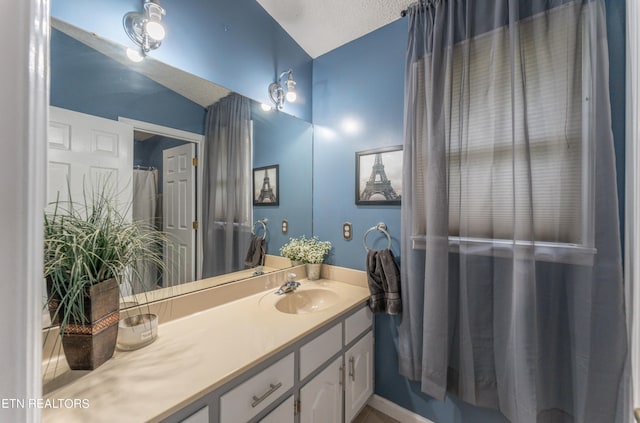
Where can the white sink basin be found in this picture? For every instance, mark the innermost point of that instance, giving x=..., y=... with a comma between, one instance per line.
x=306, y=301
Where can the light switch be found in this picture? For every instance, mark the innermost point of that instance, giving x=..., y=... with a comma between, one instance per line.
x=285, y=226
x=347, y=231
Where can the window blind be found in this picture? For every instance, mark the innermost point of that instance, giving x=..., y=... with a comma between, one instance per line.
x=517, y=165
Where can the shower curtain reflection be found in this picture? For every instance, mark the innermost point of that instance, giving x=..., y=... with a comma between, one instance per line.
x=227, y=212
x=145, y=209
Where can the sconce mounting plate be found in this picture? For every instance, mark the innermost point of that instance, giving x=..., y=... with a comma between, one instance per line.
x=133, y=23
x=276, y=93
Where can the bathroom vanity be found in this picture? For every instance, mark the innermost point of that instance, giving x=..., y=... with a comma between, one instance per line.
x=306, y=380
x=262, y=357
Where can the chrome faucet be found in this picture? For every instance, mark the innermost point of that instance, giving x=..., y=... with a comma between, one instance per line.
x=289, y=286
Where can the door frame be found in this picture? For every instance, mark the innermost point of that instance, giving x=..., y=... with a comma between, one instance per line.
x=192, y=137
x=632, y=199
x=24, y=117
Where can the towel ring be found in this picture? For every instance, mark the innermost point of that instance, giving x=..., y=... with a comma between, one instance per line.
x=380, y=227
x=263, y=222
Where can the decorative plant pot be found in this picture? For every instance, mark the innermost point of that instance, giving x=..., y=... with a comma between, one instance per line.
x=296, y=263
x=313, y=271
x=87, y=346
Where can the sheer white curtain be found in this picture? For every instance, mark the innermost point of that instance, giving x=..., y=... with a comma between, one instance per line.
x=513, y=295
x=226, y=212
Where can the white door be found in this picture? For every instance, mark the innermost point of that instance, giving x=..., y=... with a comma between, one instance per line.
x=84, y=151
x=321, y=397
x=359, y=377
x=179, y=212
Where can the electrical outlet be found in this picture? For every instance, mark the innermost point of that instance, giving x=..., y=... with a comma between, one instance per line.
x=347, y=231
x=285, y=226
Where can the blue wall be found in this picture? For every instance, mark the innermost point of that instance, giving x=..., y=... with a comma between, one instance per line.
x=286, y=141
x=87, y=81
x=363, y=81
x=357, y=105
x=235, y=44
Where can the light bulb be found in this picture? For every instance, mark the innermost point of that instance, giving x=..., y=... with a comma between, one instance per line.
x=134, y=55
x=266, y=107
x=291, y=88
x=155, y=30
x=291, y=96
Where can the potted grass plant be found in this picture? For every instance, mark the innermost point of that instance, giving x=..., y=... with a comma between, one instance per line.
x=310, y=251
x=89, y=249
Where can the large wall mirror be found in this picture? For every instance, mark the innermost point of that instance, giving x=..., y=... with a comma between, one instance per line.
x=161, y=113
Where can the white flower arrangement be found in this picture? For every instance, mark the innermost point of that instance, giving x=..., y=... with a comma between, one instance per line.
x=306, y=250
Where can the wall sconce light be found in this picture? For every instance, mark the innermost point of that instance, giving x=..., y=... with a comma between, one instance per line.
x=277, y=92
x=145, y=28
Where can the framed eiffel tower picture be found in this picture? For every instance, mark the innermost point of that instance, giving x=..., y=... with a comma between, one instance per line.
x=266, y=188
x=379, y=176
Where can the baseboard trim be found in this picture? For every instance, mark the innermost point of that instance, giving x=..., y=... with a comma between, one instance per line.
x=393, y=410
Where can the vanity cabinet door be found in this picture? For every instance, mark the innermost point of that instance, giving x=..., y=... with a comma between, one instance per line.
x=282, y=414
x=358, y=376
x=321, y=397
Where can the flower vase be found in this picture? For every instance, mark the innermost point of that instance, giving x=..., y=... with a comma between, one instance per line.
x=313, y=271
x=296, y=263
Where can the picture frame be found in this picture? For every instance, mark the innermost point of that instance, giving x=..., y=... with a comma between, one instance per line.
x=266, y=186
x=379, y=176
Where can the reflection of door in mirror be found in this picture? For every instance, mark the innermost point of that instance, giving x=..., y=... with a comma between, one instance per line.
x=172, y=161
x=88, y=156
x=152, y=178
x=178, y=206
x=85, y=151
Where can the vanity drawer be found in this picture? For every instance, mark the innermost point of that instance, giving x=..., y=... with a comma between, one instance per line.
x=357, y=323
x=200, y=416
x=319, y=350
x=251, y=397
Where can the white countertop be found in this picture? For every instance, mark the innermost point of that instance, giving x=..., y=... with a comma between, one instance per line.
x=193, y=356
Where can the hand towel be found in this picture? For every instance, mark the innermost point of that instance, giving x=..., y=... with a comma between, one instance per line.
x=255, y=252
x=383, y=276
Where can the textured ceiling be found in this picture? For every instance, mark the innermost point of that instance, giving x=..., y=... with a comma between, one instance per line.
x=320, y=26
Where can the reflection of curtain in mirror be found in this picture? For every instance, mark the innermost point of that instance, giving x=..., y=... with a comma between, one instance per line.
x=144, y=209
x=226, y=209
